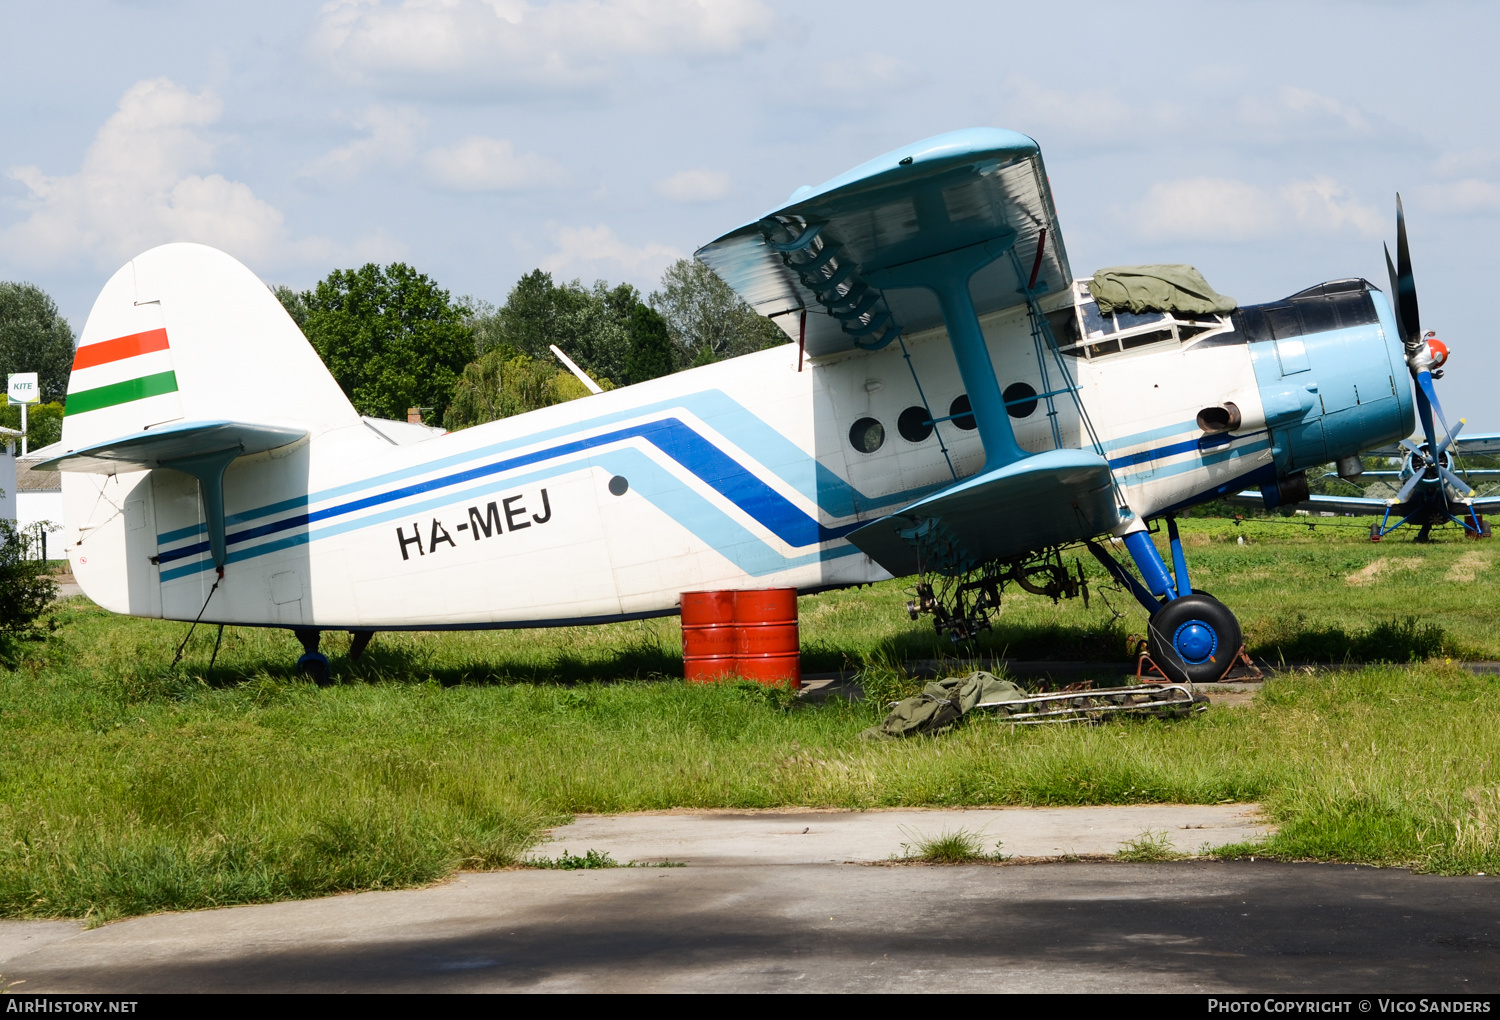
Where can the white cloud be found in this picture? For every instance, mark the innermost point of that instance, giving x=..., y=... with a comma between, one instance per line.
x=490, y=164
x=1037, y=110
x=1220, y=209
x=141, y=185
x=1295, y=111
x=390, y=140
x=1322, y=205
x=584, y=250
x=699, y=185
x=1469, y=195
x=1110, y=116
x=504, y=46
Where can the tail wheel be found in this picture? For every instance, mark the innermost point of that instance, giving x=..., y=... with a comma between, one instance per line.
x=1194, y=639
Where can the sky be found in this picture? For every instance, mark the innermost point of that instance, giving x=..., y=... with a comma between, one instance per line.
x=1262, y=142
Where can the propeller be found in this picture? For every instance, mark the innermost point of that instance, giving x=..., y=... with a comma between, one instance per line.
x=1409, y=326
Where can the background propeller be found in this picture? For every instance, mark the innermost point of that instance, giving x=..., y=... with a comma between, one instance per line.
x=1409, y=326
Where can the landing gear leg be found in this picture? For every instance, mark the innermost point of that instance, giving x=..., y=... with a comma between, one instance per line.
x=1192, y=636
x=359, y=640
x=313, y=662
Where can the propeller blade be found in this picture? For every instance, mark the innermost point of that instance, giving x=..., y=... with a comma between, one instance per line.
x=1424, y=413
x=1396, y=299
x=1407, y=292
x=1409, y=487
x=1448, y=440
x=1463, y=488
x=1411, y=447
x=1424, y=382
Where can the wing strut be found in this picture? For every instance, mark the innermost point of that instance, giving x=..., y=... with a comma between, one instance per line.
x=947, y=276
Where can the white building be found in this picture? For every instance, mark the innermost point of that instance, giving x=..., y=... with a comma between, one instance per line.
x=38, y=497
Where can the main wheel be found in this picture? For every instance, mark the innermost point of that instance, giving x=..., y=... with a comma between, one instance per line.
x=315, y=665
x=1194, y=639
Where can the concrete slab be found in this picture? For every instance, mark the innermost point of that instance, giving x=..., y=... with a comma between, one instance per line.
x=1191, y=926
x=19, y=938
x=823, y=836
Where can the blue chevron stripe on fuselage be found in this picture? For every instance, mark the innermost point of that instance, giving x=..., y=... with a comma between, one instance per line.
x=670, y=435
x=663, y=489
x=783, y=458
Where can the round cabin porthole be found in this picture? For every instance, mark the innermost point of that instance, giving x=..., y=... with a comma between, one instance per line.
x=962, y=413
x=914, y=425
x=1020, y=400
x=867, y=435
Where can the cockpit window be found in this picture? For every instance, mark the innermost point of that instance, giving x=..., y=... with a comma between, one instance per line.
x=1130, y=320
x=1103, y=335
x=1094, y=324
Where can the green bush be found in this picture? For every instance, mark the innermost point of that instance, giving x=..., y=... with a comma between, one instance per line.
x=25, y=589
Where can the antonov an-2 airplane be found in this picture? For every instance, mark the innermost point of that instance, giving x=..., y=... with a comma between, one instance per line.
x=956, y=406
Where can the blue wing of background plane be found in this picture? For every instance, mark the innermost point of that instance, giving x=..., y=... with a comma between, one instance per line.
x=1480, y=444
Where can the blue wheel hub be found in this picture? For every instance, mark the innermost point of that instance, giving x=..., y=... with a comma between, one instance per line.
x=1196, y=642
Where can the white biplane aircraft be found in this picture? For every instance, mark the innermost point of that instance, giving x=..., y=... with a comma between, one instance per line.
x=956, y=406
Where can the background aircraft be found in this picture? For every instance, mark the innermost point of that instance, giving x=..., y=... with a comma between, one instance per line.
x=956, y=406
x=1433, y=486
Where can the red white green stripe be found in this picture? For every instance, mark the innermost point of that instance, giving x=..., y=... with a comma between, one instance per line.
x=123, y=392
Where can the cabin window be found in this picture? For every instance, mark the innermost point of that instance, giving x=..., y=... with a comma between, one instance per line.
x=867, y=435
x=962, y=413
x=914, y=424
x=1020, y=400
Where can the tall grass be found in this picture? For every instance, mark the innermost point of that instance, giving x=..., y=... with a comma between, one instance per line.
x=127, y=786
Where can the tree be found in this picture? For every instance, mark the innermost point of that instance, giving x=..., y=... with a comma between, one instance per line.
x=43, y=423
x=703, y=314
x=504, y=382
x=391, y=337
x=650, y=354
x=34, y=337
x=590, y=325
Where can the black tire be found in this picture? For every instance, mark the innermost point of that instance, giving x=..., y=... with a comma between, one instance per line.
x=1194, y=639
x=315, y=666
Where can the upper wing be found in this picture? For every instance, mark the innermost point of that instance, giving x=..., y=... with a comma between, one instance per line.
x=939, y=195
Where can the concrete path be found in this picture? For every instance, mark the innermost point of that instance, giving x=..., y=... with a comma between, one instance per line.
x=836, y=837
x=1192, y=926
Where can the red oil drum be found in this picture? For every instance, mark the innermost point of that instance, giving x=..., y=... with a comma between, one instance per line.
x=708, y=635
x=767, y=648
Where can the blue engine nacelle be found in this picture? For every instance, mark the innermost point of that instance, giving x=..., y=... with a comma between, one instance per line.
x=1331, y=371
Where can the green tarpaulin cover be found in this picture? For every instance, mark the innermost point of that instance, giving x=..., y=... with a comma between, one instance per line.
x=1170, y=288
x=942, y=703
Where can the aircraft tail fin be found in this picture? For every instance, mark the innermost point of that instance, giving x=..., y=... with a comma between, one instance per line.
x=186, y=333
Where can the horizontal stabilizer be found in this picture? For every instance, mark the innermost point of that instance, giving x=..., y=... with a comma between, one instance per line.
x=160, y=446
x=1047, y=499
x=202, y=449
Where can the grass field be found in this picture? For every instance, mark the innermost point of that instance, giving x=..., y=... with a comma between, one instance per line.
x=127, y=786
